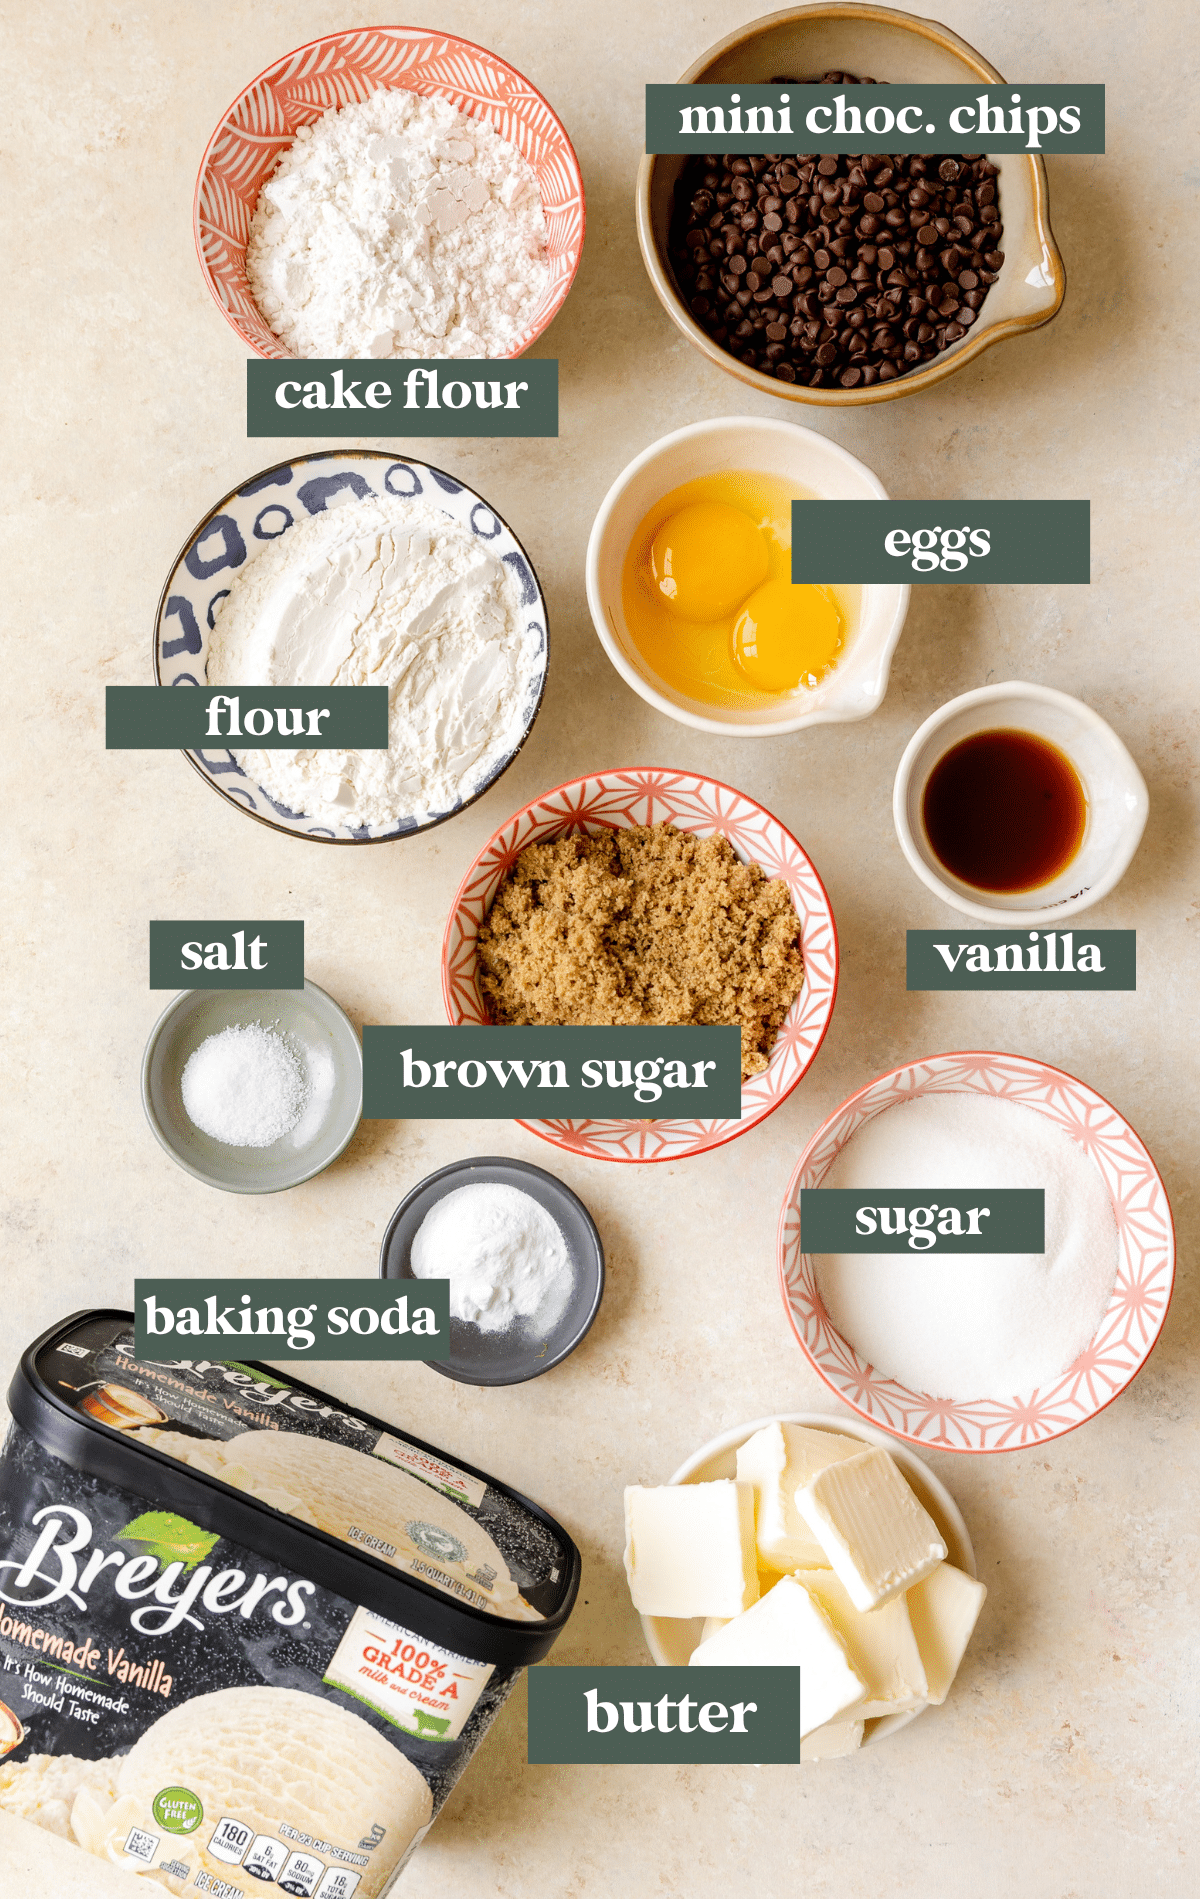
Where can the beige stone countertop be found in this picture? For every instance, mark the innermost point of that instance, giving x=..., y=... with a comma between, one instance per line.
x=1063, y=1765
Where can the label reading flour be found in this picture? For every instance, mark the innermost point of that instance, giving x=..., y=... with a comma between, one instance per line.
x=432, y=1470
x=424, y=1690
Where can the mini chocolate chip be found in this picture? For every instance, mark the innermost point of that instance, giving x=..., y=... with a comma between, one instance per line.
x=827, y=166
x=850, y=377
x=949, y=169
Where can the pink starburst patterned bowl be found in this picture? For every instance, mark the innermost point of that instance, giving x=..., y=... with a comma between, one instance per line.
x=337, y=70
x=1137, y=1309
x=618, y=800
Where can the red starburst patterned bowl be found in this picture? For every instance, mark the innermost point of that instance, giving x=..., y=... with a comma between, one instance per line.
x=618, y=800
x=337, y=70
x=1136, y=1311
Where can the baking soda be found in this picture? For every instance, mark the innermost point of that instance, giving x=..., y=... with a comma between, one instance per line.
x=504, y=1255
x=977, y=1325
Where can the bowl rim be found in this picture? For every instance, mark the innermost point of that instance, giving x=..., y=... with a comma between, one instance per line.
x=322, y=39
x=968, y=348
x=944, y=1443
x=872, y=1436
x=355, y=454
x=596, y=1255
x=543, y=1129
x=176, y=1007
x=994, y=916
x=694, y=431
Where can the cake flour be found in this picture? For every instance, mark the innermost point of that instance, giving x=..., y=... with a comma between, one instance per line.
x=383, y=593
x=395, y=228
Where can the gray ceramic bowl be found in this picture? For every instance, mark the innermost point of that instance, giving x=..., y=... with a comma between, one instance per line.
x=516, y=1354
x=321, y=1032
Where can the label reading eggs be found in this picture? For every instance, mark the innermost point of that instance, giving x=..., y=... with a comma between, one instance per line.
x=942, y=543
x=422, y=1689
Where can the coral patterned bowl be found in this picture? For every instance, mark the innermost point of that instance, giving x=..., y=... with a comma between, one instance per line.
x=340, y=69
x=1136, y=1311
x=618, y=800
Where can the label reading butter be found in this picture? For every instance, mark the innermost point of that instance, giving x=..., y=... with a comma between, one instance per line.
x=422, y=1689
x=431, y=1470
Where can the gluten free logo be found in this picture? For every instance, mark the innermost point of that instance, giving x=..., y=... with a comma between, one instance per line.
x=177, y=1810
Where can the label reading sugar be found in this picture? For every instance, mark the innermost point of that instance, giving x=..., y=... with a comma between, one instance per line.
x=422, y=1689
x=432, y=1470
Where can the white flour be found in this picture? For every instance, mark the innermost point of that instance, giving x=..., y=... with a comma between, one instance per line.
x=382, y=593
x=504, y=1255
x=399, y=228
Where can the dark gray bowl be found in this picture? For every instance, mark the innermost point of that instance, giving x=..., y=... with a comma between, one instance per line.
x=511, y=1356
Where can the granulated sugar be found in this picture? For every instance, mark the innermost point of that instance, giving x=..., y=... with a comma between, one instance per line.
x=974, y=1325
x=383, y=593
x=244, y=1086
x=395, y=228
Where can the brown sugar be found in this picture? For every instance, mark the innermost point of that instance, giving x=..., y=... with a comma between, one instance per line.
x=646, y=926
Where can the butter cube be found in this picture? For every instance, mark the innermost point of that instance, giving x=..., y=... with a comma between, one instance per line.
x=944, y=1609
x=832, y=1741
x=689, y=1549
x=881, y=1646
x=778, y=1460
x=878, y=1538
x=714, y=1622
x=787, y=1628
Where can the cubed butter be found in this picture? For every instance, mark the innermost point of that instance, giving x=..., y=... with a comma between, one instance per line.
x=877, y=1537
x=778, y=1461
x=689, y=1549
x=944, y=1609
x=787, y=1628
x=881, y=1646
x=832, y=1741
x=714, y=1622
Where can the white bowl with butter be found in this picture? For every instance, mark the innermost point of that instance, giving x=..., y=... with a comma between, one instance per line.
x=672, y=1640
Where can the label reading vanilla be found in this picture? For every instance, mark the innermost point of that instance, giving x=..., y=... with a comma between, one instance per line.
x=422, y=1689
x=432, y=1470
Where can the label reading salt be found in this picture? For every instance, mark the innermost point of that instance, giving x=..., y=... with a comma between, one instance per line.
x=431, y=1470
x=422, y=1689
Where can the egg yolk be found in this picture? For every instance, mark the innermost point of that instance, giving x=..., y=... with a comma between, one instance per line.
x=706, y=559
x=786, y=636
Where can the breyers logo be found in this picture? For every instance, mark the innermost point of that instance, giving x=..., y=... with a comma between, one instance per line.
x=63, y=1566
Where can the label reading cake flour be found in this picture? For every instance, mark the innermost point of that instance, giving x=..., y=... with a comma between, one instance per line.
x=422, y=1689
x=432, y=1470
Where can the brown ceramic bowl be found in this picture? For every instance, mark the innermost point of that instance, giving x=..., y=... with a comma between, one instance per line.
x=879, y=42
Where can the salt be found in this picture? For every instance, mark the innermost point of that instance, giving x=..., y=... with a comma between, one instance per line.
x=504, y=1255
x=245, y=1087
x=974, y=1325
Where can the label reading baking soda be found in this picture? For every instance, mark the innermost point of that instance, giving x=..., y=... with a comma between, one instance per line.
x=941, y=543
x=425, y=1690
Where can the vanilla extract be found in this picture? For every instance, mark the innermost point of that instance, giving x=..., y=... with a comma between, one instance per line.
x=1004, y=810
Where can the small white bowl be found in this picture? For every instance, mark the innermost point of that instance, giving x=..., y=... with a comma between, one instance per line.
x=671, y=1640
x=1117, y=800
x=756, y=445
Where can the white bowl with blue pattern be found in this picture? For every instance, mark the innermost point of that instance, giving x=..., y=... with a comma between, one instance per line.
x=246, y=521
